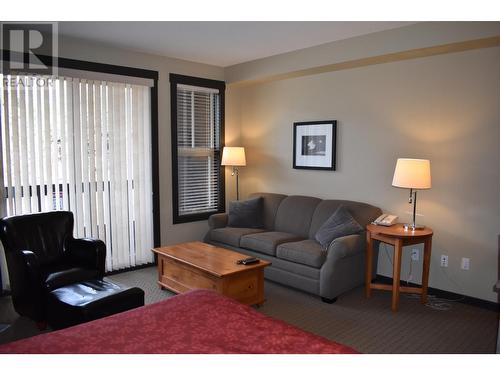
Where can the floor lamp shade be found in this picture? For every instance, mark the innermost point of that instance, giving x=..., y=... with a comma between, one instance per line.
x=234, y=157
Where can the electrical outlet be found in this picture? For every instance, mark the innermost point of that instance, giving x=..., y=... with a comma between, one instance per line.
x=444, y=260
x=465, y=264
x=415, y=254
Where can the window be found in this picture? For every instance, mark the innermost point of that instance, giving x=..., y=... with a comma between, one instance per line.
x=197, y=109
x=85, y=146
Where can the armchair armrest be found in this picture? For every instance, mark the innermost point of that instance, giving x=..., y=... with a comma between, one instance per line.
x=32, y=267
x=87, y=252
x=28, y=292
x=217, y=221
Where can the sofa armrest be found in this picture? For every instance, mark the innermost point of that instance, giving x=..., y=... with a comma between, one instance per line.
x=344, y=266
x=347, y=246
x=217, y=221
x=87, y=252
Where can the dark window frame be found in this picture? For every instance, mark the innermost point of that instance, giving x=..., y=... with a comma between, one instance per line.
x=124, y=71
x=176, y=79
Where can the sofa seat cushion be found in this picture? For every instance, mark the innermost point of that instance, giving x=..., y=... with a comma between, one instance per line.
x=308, y=252
x=56, y=277
x=266, y=242
x=231, y=236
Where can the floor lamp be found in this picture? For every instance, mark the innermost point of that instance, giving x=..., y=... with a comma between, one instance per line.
x=234, y=157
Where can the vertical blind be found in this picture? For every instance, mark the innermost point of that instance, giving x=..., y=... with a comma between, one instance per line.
x=198, y=149
x=83, y=146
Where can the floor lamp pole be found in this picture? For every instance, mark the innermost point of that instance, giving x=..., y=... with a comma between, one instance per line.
x=237, y=174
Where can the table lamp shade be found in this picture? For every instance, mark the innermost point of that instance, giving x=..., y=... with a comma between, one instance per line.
x=412, y=174
x=234, y=156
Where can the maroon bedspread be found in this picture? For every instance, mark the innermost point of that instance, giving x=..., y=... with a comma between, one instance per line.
x=200, y=321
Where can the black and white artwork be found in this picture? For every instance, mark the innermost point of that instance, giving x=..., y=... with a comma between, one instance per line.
x=314, y=145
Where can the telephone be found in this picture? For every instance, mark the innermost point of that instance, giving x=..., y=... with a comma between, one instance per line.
x=386, y=220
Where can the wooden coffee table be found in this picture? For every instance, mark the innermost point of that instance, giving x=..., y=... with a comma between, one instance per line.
x=195, y=265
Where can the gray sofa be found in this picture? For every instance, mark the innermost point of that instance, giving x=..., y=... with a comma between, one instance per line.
x=287, y=240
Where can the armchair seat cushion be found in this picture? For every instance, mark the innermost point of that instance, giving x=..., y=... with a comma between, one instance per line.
x=308, y=252
x=62, y=275
x=266, y=242
x=231, y=236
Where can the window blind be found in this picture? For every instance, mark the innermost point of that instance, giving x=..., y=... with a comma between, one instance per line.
x=198, y=149
x=84, y=146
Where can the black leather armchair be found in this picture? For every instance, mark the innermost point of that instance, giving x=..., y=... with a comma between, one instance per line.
x=42, y=255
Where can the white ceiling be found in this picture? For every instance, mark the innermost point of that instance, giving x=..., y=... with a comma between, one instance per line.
x=219, y=43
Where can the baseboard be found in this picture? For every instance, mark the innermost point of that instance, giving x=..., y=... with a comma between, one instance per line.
x=473, y=301
x=128, y=269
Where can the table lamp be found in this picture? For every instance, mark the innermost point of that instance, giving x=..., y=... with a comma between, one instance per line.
x=413, y=174
x=234, y=157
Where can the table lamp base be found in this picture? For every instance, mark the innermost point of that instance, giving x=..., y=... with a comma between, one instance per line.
x=412, y=227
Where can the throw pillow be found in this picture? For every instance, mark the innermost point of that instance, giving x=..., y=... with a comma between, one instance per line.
x=340, y=224
x=246, y=214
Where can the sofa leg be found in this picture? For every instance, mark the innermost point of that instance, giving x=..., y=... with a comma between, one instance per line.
x=329, y=300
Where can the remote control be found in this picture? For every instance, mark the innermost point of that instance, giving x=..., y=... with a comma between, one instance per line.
x=247, y=261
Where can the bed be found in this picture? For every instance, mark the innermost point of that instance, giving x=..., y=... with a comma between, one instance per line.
x=200, y=321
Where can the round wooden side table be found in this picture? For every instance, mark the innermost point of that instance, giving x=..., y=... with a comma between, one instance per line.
x=398, y=237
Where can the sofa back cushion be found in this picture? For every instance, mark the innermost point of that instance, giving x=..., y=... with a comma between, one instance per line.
x=363, y=213
x=295, y=213
x=270, y=204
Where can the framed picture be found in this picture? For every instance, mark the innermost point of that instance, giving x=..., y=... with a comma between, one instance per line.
x=314, y=145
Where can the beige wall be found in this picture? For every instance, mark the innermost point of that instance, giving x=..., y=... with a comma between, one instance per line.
x=77, y=49
x=445, y=108
x=413, y=37
x=232, y=135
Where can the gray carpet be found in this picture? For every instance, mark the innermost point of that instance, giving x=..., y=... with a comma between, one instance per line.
x=367, y=325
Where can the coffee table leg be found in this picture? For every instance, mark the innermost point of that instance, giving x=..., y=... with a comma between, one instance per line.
x=396, y=275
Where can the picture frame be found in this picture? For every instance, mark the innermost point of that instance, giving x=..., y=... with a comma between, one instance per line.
x=314, y=145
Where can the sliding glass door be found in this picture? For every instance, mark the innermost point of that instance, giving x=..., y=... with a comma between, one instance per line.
x=85, y=146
